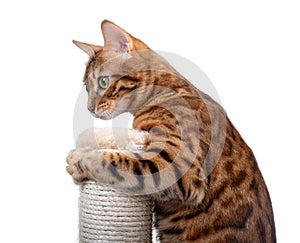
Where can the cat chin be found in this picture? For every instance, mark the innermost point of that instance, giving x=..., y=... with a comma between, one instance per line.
x=106, y=115
x=103, y=116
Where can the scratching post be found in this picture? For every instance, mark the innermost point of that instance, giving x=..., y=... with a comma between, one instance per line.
x=108, y=215
x=105, y=213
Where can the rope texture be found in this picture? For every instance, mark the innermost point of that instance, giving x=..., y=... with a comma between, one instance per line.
x=108, y=215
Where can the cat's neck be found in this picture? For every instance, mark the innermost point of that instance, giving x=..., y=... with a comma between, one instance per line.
x=158, y=88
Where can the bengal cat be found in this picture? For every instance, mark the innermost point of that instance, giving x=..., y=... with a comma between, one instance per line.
x=203, y=177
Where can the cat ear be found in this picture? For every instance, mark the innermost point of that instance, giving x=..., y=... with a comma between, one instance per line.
x=89, y=49
x=115, y=38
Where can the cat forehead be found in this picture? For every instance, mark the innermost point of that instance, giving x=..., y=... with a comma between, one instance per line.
x=110, y=61
x=106, y=63
x=105, y=55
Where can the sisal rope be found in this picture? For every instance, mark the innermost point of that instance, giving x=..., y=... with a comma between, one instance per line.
x=108, y=215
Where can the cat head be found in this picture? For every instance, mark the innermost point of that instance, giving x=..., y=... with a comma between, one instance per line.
x=114, y=71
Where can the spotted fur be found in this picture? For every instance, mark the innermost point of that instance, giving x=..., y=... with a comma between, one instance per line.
x=203, y=177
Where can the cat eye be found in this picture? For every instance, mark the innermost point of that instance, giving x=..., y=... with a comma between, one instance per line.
x=103, y=82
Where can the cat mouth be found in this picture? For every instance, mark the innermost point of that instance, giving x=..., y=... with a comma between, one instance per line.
x=104, y=114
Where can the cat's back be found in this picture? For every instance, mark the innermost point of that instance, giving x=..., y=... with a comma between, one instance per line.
x=236, y=206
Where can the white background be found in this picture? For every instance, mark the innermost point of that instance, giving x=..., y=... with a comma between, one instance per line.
x=250, y=50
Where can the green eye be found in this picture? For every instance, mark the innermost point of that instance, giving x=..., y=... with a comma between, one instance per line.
x=103, y=82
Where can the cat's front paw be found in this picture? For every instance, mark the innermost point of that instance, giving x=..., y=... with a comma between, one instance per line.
x=76, y=167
